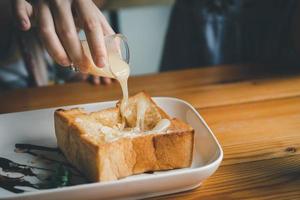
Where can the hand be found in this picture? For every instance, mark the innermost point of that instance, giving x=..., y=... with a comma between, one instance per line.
x=58, y=21
x=94, y=79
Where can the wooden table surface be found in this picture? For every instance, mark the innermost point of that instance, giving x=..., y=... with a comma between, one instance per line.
x=255, y=114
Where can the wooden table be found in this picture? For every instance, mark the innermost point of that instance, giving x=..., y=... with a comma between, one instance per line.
x=255, y=114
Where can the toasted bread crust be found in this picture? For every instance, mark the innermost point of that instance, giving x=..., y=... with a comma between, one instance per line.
x=106, y=161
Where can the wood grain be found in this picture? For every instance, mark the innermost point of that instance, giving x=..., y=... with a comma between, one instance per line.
x=277, y=178
x=254, y=114
x=211, y=86
x=238, y=92
x=256, y=131
x=261, y=144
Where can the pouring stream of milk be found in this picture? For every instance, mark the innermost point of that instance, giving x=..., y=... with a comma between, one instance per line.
x=117, y=69
x=120, y=70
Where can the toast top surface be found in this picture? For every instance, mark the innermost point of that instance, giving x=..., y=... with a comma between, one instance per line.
x=107, y=125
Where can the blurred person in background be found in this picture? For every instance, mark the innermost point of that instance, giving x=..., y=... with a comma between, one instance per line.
x=201, y=33
x=212, y=32
x=29, y=27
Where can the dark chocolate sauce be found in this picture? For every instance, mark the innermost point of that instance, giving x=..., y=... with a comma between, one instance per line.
x=10, y=166
x=29, y=147
x=57, y=178
x=9, y=184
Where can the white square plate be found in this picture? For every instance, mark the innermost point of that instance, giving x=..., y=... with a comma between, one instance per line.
x=37, y=127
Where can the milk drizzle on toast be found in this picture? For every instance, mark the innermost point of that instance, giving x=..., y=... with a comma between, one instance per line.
x=120, y=70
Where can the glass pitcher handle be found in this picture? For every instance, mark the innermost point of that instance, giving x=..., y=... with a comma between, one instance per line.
x=112, y=43
x=124, y=40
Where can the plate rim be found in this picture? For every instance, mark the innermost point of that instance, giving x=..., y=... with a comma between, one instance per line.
x=213, y=164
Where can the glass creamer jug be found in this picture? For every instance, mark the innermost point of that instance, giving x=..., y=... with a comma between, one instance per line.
x=117, y=58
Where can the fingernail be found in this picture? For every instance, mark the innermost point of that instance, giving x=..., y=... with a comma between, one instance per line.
x=100, y=62
x=23, y=24
x=96, y=81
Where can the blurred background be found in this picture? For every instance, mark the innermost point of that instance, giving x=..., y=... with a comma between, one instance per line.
x=168, y=35
x=145, y=25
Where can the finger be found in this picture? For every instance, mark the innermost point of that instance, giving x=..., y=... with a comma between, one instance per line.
x=23, y=10
x=66, y=30
x=96, y=80
x=78, y=77
x=29, y=9
x=107, y=29
x=49, y=36
x=84, y=76
x=89, y=14
x=105, y=80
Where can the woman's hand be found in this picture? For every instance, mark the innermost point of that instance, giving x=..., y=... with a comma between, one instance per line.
x=58, y=22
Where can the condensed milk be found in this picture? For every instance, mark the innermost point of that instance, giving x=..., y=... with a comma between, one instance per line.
x=118, y=69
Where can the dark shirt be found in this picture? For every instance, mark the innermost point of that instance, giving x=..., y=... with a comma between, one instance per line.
x=210, y=32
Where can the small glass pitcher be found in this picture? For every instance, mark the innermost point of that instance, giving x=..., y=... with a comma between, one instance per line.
x=115, y=44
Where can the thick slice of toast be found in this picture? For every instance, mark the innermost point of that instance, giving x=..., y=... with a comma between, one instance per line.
x=93, y=144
